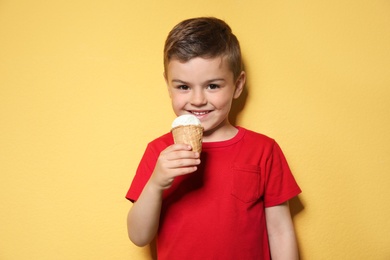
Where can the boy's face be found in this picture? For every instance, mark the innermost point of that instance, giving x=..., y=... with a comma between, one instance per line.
x=206, y=89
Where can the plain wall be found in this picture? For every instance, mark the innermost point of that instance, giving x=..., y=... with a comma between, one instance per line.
x=82, y=92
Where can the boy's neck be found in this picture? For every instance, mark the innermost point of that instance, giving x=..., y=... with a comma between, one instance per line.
x=227, y=132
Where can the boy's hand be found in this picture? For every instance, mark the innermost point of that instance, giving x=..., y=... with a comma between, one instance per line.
x=144, y=215
x=175, y=160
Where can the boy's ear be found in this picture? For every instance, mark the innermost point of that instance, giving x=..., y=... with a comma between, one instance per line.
x=240, y=83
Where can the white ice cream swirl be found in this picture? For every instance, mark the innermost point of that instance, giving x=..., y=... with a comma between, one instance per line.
x=185, y=120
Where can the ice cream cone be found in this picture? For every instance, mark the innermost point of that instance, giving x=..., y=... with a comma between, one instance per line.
x=189, y=134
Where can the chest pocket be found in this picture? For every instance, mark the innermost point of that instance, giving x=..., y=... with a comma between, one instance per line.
x=245, y=182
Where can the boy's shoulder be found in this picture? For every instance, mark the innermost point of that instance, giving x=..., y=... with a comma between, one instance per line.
x=162, y=141
x=253, y=136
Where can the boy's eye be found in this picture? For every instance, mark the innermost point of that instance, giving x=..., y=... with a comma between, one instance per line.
x=183, y=87
x=213, y=86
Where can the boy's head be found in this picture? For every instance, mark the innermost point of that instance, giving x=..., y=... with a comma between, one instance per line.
x=205, y=37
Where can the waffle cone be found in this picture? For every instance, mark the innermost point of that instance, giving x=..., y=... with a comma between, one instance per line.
x=189, y=134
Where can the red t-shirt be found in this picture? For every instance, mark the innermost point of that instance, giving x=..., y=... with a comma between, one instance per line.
x=217, y=212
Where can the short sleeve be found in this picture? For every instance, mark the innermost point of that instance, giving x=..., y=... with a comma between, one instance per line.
x=143, y=173
x=147, y=164
x=280, y=184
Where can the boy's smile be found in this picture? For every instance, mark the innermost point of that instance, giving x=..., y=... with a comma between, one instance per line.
x=206, y=89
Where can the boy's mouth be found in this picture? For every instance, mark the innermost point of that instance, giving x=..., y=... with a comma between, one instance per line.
x=199, y=114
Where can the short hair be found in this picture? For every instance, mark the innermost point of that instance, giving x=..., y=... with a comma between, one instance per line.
x=206, y=37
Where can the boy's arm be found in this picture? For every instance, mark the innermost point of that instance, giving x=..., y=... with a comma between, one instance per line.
x=143, y=217
x=281, y=232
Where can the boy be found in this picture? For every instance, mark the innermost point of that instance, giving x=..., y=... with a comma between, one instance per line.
x=230, y=201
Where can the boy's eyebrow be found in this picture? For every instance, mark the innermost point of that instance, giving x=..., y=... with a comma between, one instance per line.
x=217, y=79
x=208, y=81
x=179, y=81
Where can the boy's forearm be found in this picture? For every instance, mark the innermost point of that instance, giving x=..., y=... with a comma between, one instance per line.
x=281, y=233
x=143, y=217
x=284, y=246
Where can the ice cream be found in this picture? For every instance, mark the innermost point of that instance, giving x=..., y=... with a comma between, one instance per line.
x=186, y=129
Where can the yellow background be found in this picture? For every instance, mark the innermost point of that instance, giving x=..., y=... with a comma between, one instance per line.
x=82, y=92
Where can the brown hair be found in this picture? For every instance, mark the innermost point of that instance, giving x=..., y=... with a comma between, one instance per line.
x=205, y=37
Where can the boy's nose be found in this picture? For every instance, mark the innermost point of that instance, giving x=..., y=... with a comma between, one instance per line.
x=198, y=98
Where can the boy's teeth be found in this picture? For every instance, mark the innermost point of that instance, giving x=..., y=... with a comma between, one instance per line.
x=199, y=113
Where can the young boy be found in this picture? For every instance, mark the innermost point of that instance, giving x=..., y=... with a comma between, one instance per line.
x=230, y=201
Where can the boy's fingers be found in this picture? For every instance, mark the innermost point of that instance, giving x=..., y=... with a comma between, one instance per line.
x=183, y=171
x=185, y=163
x=179, y=151
x=178, y=147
